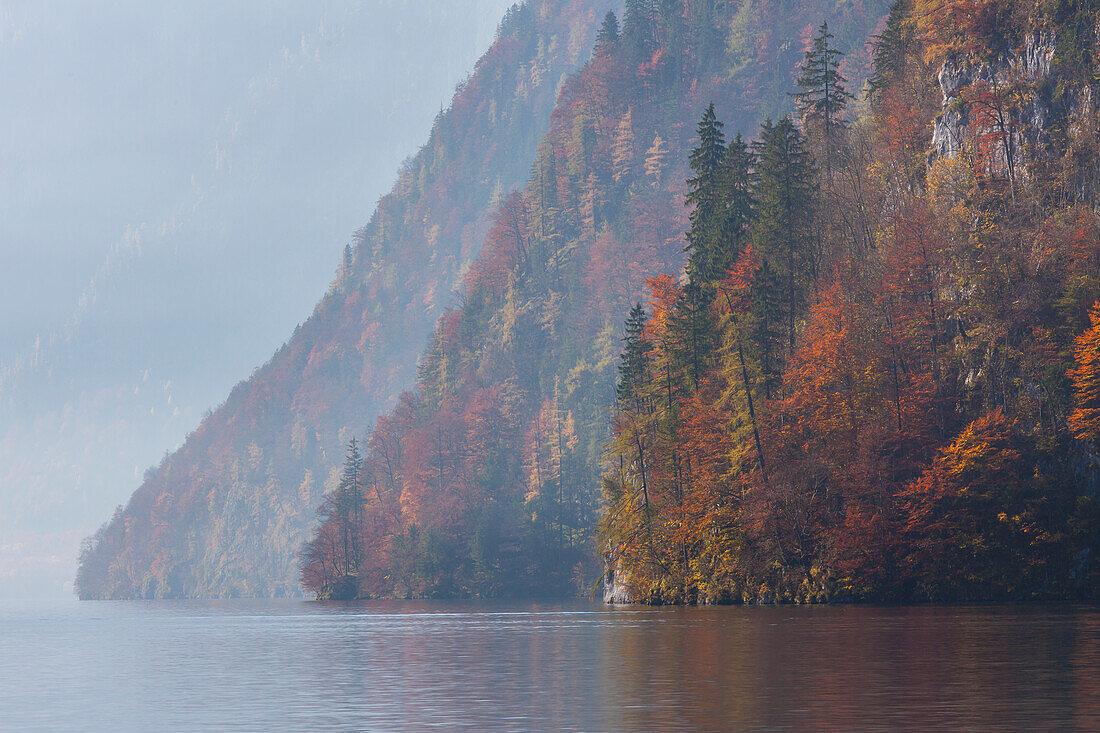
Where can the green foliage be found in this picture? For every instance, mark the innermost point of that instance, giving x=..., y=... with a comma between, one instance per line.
x=892, y=46
x=635, y=358
x=608, y=35
x=599, y=214
x=707, y=195
x=822, y=96
x=1075, y=39
x=640, y=29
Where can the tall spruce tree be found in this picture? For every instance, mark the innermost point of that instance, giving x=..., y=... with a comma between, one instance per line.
x=639, y=32
x=704, y=31
x=823, y=97
x=738, y=181
x=782, y=234
x=330, y=562
x=891, y=46
x=708, y=195
x=349, y=505
x=695, y=330
x=608, y=35
x=634, y=365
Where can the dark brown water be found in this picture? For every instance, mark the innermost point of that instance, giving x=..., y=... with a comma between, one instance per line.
x=464, y=666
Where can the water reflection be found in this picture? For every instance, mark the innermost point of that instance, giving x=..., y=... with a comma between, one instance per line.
x=419, y=666
x=860, y=668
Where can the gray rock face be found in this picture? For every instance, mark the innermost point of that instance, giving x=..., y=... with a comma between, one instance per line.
x=614, y=589
x=1022, y=117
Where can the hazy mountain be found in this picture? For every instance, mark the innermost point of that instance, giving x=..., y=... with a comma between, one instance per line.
x=229, y=510
x=177, y=183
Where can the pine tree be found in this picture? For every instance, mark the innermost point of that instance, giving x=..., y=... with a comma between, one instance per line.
x=635, y=357
x=707, y=157
x=782, y=233
x=738, y=181
x=891, y=46
x=330, y=562
x=345, y=271
x=349, y=505
x=705, y=31
x=695, y=329
x=707, y=194
x=823, y=97
x=545, y=210
x=608, y=35
x=639, y=29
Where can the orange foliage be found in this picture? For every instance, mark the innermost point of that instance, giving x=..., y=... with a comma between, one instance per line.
x=1084, y=421
x=971, y=530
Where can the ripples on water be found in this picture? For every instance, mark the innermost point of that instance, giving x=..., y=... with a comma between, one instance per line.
x=264, y=666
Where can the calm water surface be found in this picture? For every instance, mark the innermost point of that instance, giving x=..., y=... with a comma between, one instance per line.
x=261, y=666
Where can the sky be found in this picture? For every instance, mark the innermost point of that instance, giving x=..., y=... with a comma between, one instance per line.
x=177, y=182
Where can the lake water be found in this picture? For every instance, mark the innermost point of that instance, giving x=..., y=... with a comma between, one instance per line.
x=265, y=666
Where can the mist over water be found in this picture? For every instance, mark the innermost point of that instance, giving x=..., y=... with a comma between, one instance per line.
x=177, y=181
x=244, y=666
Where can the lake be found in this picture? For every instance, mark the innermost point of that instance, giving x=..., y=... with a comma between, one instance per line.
x=302, y=666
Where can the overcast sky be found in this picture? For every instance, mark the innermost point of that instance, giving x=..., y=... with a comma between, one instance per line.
x=177, y=181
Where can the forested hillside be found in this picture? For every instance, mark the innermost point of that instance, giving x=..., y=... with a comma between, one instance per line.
x=226, y=513
x=783, y=302
x=879, y=377
x=485, y=480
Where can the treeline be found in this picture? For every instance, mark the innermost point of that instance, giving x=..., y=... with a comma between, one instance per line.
x=485, y=480
x=876, y=378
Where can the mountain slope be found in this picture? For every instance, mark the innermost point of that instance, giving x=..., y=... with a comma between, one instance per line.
x=225, y=514
x=137, y=288
x=485, y=481
x=897, y=390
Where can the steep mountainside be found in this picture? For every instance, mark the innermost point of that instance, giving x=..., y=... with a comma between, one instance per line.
x=226, y=514
x=485, y=480
x=890, y=388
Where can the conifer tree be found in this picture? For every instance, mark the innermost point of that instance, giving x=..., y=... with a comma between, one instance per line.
x=608, y=35
x=345, y=271
x=823, y=97
x=633, y=367
x=545, y=209
x=695, y=329
x=349, y=505
x=622, y=147
x=720, y=190
x=704, y=32
x=330, y=562
x=639, y=29
x=783, y=229
x=737, y=182
x=891, y=46
x=707, y=194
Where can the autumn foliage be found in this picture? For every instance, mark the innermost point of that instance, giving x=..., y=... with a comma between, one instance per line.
x=851, y=368
x=227, y=513
x=492, y=482
x=882, y=408
x=1084, y=421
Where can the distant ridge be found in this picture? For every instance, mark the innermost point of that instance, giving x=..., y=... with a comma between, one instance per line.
x=225, y=515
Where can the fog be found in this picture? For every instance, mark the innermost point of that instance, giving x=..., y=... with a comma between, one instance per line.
x=177, y=181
